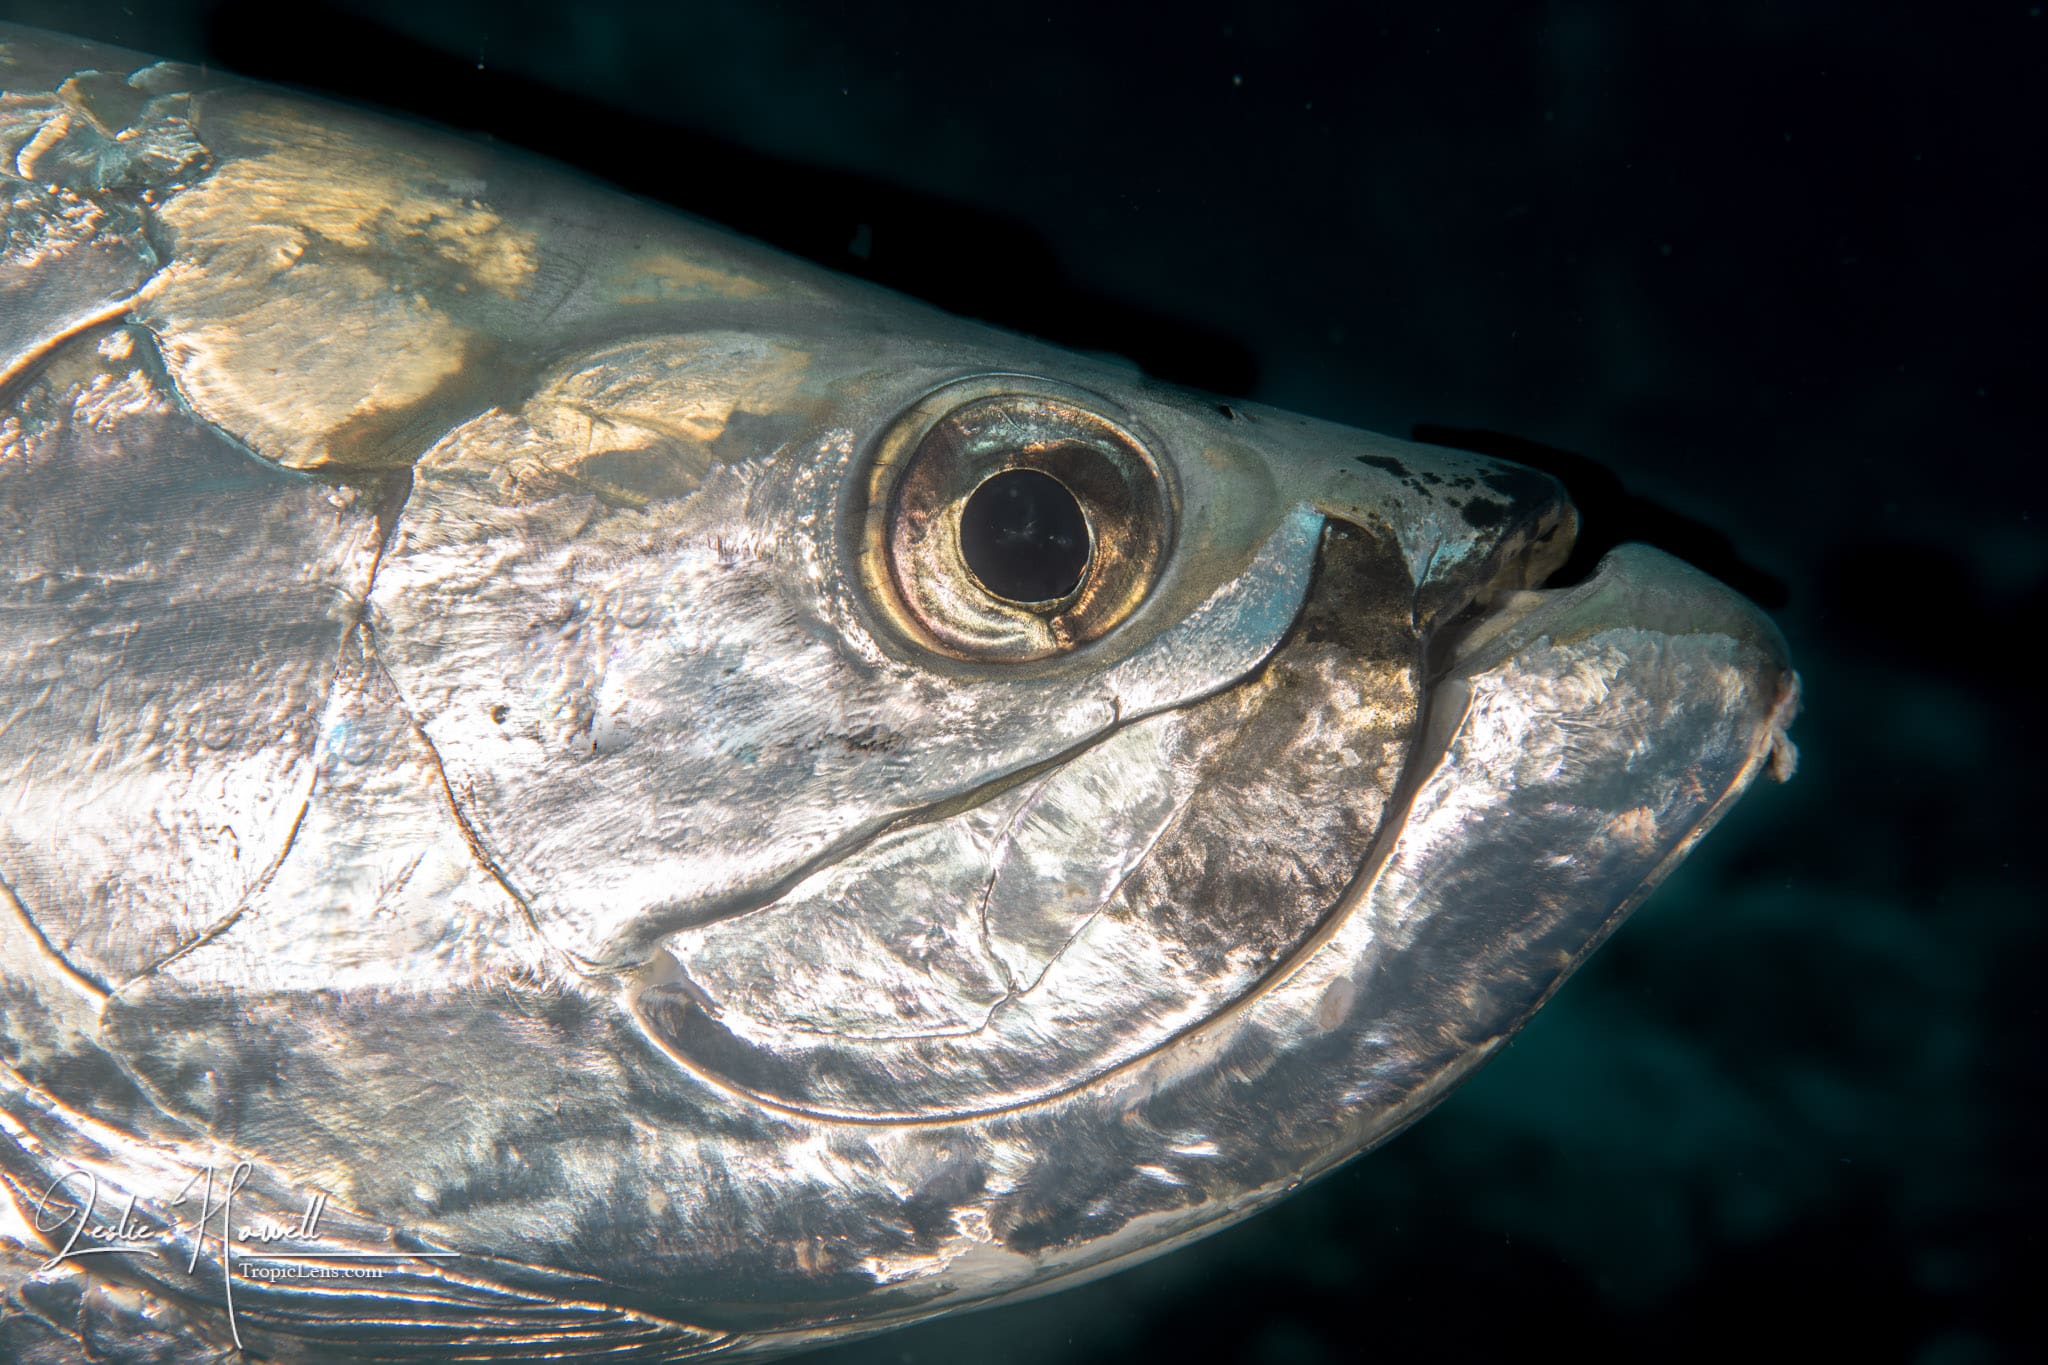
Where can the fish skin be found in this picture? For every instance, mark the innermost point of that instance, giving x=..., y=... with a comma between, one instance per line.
x=467, y=787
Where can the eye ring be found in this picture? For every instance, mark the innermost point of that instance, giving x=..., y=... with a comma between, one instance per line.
x=971, y=542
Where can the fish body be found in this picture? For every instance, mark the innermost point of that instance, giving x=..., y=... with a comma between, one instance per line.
x=572, y=784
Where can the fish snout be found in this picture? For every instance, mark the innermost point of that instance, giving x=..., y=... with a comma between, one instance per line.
x=1467, y=527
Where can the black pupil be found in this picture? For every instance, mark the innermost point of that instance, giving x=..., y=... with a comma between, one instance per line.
x=1023, y=535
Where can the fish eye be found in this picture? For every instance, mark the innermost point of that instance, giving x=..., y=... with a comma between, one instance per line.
x=1012, y=526
x=1024, y=537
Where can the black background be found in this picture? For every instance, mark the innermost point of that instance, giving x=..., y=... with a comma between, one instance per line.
x=1764, y=281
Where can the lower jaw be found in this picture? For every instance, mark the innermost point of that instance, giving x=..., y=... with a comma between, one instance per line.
x=1577, y=744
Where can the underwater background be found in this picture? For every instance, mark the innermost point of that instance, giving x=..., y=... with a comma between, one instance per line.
x=1764, y=283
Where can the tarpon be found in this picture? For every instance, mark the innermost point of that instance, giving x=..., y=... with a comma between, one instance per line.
x=571, y=784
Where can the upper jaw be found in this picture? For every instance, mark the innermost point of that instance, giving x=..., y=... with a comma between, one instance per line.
x=1576, y=743
x=1480, y=536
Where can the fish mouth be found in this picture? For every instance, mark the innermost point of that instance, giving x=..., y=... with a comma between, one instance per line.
x=1578, y=742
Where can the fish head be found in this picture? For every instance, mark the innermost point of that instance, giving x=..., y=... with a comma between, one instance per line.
x=979, y=813
x=933, y=728
x=739, y=809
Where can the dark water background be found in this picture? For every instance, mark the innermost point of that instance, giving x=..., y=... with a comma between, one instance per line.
x=1765, y=282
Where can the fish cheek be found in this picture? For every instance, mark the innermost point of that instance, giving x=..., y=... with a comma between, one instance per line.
x=1245, y=818
x=625, y=644
x=1301, y=764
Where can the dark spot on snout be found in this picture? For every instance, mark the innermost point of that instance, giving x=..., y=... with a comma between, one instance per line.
x=1384, y=463
x=1609, y=514
x=1517, y=483
x=1480, y=513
